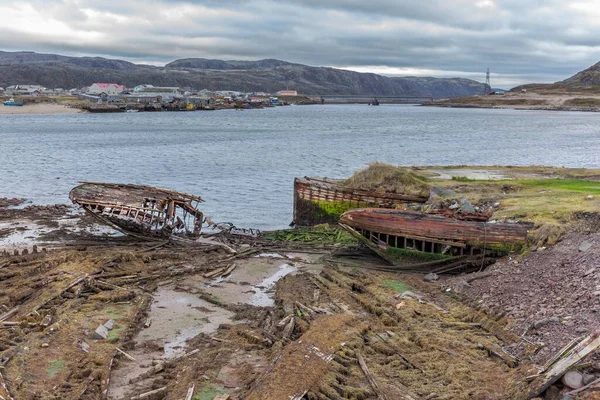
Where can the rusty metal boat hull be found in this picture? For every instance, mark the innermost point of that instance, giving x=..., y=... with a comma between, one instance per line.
x=140, y=210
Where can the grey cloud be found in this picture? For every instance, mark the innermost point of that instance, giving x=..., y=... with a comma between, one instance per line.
x=521, y=41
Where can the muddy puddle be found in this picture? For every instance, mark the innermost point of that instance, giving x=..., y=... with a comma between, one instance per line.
x=25, y=233
x=253, y=280
x=178, y=313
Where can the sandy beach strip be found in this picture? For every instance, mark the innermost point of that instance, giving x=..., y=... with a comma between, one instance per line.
x=42, y=108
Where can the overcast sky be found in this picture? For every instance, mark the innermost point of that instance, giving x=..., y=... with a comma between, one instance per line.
x=521, y=41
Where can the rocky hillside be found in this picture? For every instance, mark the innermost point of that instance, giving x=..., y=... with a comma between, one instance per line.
x=270, y=75
x=589, y=76
x=586, y=81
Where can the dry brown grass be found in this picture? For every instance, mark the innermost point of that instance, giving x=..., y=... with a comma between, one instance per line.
x=388, y=178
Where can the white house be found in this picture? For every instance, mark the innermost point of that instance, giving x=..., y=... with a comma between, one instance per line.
x=25, y=90
x=109, y=89
x=287, y=93
x=155, y=94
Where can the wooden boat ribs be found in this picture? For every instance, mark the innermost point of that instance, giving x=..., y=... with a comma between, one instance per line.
x=140, y=210
x=318, y=201
x=385, y=230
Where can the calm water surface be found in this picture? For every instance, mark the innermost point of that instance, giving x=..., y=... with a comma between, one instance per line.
x=243, y=163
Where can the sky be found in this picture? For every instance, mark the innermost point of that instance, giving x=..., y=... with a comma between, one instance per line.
x=521, y=41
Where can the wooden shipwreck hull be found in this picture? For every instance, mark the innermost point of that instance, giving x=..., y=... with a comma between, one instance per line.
x=387, y=230
x=140, y=210
x=318, y=201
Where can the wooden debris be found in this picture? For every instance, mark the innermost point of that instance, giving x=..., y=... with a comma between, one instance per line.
x=495, y=350
x=222, y=397
x=190, y=393
x=154, y=370
x=284, y=321
x=289, y=328
x=229, y=269
x=581, y=389
x=9, y=314
x=4, y=393
x=370, y=378
x=214, y=272
x=125, y=354
x=584, y=348
x=154, y=394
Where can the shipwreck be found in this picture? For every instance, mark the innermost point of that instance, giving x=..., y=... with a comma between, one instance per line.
x=142, y=211
x=320, y=200
x=395, y=232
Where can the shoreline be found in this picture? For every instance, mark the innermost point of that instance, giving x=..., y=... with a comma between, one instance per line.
x=506, y=107
x=42, y=109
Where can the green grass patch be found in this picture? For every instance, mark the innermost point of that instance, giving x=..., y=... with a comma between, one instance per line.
x=463, y=179
x=320, y=234
x=54, y=367
x=209, y=392
x=333, y=210
x=115, y=332
x=398, y=286
x=573, y=185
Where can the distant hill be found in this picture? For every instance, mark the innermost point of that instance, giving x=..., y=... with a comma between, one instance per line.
x=587, y=77
x=269, y=75
x=586, y=81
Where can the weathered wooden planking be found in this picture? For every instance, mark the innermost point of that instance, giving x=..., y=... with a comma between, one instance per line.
x=414, y=224
x=309, y=192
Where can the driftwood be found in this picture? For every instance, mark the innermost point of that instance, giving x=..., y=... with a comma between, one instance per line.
x=474, y=277
x=4, y=393
x=9, y=314
x=214, y=272
x=584, y=348
x=289, y=328
x=229, y=269
x=154, y=370
x=190, y=393
x=370, y=378
x=110, y=365
x=154, y=394
x=125, y=354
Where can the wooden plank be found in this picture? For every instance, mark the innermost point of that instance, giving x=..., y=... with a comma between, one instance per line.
x=584, y=348
x=432, y=227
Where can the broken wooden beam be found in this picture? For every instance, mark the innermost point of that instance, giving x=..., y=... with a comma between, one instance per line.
x=151, y=395
x=564, y=362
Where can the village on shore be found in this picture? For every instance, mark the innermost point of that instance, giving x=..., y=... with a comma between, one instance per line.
x=113, y=97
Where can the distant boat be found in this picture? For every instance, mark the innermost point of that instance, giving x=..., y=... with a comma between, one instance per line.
x=12, y=103
x=131, y=110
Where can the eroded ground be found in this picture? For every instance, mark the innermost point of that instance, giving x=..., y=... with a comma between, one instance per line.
x=282, y=319
x=283, y=323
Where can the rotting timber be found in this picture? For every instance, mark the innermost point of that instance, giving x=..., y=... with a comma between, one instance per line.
x=319, y=200
x=139, y=210
x=394, y=232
